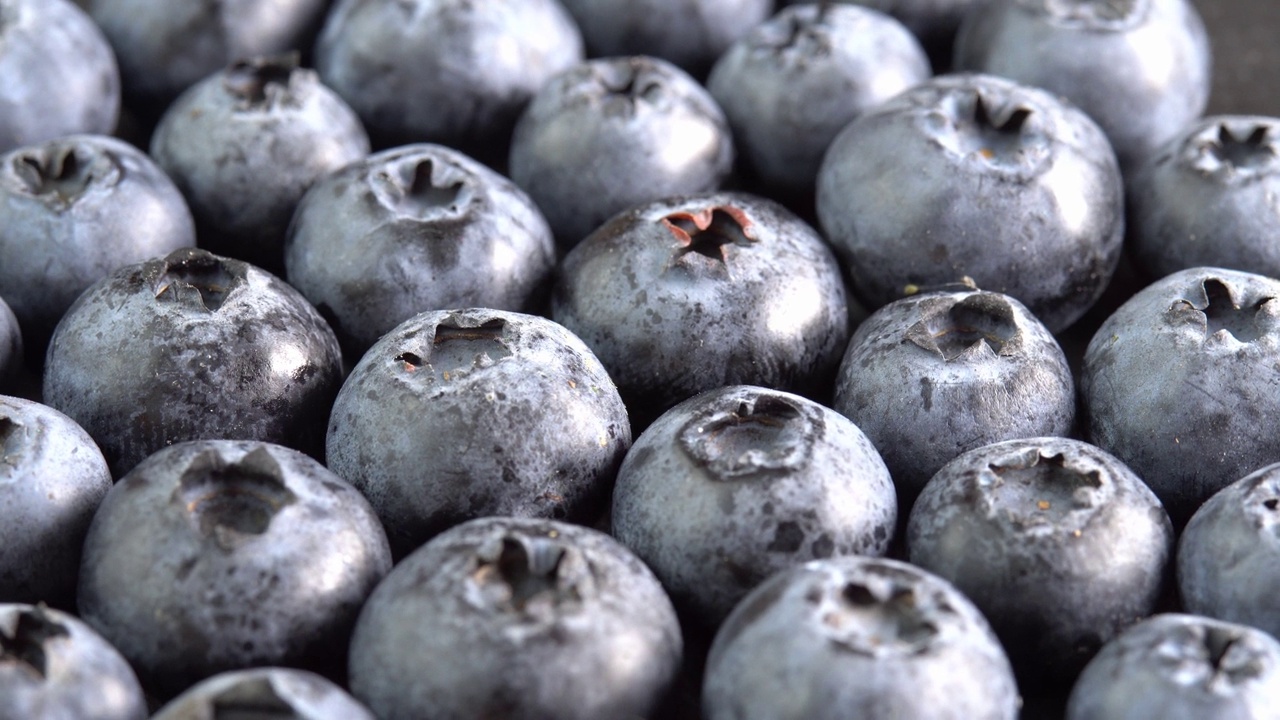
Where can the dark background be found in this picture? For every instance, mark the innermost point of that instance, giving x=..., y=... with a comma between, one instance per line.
x=1246, y=53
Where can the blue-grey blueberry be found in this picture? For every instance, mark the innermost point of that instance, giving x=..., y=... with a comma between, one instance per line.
x=934, y=22
x=11, y=349
x=264, y=693
x=520, y=619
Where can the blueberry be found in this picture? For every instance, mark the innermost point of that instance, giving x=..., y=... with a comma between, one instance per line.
x=458, y=414
x=165, y=48
x=454, y=72
x=215, y=555
x=72, y=210
x=59, y=74
x=934, y=22
x=246, y=143
x=1140, y=68
x=11, y=349
x=791, y=85
x=264, y=693
x=1181, y=667
x=857, y=637
x=52, y=479
x=609, y=134
x=1058, y=543
x=688, y=294
x=765, y=480
x=688, y=33
x=188, y=346
x=520, y=619
x=934, y=375
x=1208, y=198
x=415, y=228
x=1180, y=383
x=1227, y=555
x=975, y=176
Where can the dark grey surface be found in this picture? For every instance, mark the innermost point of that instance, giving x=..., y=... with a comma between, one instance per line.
x=1246, y=73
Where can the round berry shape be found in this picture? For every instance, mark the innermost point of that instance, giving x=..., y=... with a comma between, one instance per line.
x=766, y=480
x=165, y=47
x=934, y=22
x=1059, y=544
x=693, y=293
x=454, y=72
x=59, y=74
x=937, y=374
x=416, y=228
x=973, y=176
x=857, y=637
x=53, y=665
x=612, y=133
x=11, y=348
x=216, y=555
x=72, y=211
x=791, y=85
x=458, y=414
x=266, y=693
x=1140, y=68
x=246, y=143
x=1229, y=553
x=52, y=479
x=1207, y=198
x=190, y=346
x=1180, y=383
x=516, y=618
x=1181, y=667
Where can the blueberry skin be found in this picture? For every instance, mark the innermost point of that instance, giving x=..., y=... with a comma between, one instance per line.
x=1058, y=543
x=518, y=619
x=690, y=34
x=1181, y=667
x=1140, y=68
x=1227, y=554
x=215, y=555
x=688, y=294
x=1180, y=383
x=59, y=73
x=934, y=22
x=72, y=211
x=11, y=348
x=765, y=479
x=1206, y=198
x=791, y=85
x=246, y=143
x=52, y=479
x=453, y=72
x=458, y=414
x=416, y=228
x=165, y=48
x=189, y=346
x=935, y=375
x=52, y=665
x=609, y=134
x=275, y=692
x=857, y=637
x=975, y=176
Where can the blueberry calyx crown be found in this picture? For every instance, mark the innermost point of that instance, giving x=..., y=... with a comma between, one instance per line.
x=458, y=347
x=529, y=574
x=422, y=187
x=12, y=440
x=1034, y=489
x=1098, y=15
x=1211, y=655
x=198, y=279
x=262, y=83
x=976, y=328
x=62, y=172
x=763, y=436
x=251, y=698
x=879, y=614
x=631, y=82
x=1222, y=316
x=1229, y=151
x=709, y=233
x=803, y=36
x=22, y=643
x=232, y=502
x=993, y=128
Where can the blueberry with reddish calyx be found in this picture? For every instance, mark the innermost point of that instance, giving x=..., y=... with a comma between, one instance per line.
x=516, y=618
x=691, y=293
x=766, y=481
x=188, y=346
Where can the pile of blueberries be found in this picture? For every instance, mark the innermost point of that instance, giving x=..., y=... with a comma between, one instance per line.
x=605, y=359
